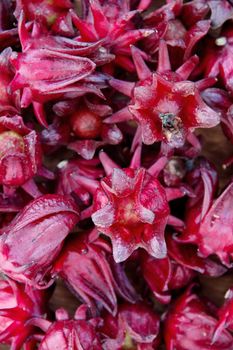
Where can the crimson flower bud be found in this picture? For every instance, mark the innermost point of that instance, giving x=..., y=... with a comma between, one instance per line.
x=189, y=325
x=20, y=152
x=40, y=228
x=19, y=304
x=98, y=288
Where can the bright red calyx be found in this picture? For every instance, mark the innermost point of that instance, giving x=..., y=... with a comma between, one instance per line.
x=166, y=106
x=78, y=333
x=20, y=152
x=18, y=305
x=41, y=227
x=217, y=223
x=131, y=208
x=135, y=326
x=106, y=279
x=114, y=196
x=190, y=325
x=217, y=58
x=114, y=23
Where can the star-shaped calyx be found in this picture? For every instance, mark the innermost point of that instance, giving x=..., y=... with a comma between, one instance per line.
x=131, y=208
x=166, y=105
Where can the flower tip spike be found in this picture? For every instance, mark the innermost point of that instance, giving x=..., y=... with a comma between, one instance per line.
x=120, y=116
x=83, y=27
x=186, y=69
x=100, y=20
x=206, y=83
x=40, y=113
x=143, y=71
x=164, y=64
x=107, y=163
x=159, y=165
x=125, y=87
x=22, y=30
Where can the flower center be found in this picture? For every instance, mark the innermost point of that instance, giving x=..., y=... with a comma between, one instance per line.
x=86, y=124
x=129, y=344
x=171, y=124
x=126, y=212
x=10, y=143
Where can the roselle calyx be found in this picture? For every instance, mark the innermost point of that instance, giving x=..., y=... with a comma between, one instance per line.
x=131, y=208
x=190, y=323
x=9, y=101
x=41, y=227
x=18, y=305
x=217, y=222
x=217, y=56
x=134, y=327
x=79, y=333
x=115, y=26
x=164, y=275
x=107, y=279
x=20, y=151
x=166, y=106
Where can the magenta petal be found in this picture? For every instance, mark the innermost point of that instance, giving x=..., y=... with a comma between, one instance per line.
x=189, y=324
x=41, y=70
x=218, y=223
x=35, y=228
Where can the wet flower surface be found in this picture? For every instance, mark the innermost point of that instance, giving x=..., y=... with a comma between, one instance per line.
x=116, y=192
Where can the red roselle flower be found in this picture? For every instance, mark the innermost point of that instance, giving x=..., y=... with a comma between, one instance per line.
x=130, y=206
x=76, y=60
x=187, y=255
x=164, y=275
x=190, y=324
x=98, y=288
x=40, y=228
x=225, y=315
x=203, y=178
x=36, y=36
x=44, y=68
x=76, y=334
x=18, y=305
x=134, y=327
x=20, y=153
x=216, y=221
x=112, y=22
x=182, y=26
x=177, y=269
x=166, y=106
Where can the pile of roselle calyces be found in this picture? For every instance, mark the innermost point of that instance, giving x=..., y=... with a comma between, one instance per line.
x=110, y=189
